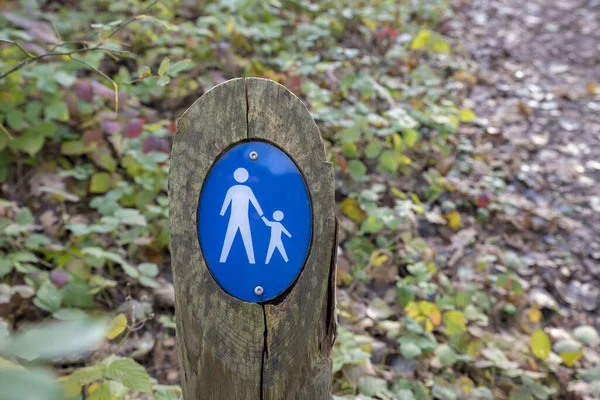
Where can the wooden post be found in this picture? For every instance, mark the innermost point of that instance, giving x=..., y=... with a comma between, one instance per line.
x=234, y=349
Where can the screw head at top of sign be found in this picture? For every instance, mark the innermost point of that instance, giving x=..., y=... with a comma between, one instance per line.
x=253, y=155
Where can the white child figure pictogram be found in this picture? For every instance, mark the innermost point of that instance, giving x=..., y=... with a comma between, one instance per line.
x=277, y=229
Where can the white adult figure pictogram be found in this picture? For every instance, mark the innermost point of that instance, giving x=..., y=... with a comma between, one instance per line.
x=275, y=242
x=239, y=196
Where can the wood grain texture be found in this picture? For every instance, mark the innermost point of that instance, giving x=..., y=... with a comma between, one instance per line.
x=301, y=326
x=220, y=339
x=230, y=349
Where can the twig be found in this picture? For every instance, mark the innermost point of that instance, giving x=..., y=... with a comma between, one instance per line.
x=51, y=53
x=17, y=45
x=6, y=132
x=115, y=84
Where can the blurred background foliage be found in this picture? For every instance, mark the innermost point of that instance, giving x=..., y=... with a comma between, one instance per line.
x=90, y=92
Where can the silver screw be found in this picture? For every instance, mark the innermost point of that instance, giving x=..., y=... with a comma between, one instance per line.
x=259, y=290
x=253, y=155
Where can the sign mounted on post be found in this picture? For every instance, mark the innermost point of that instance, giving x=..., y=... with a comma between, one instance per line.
x=253, y=246
x=254, y=221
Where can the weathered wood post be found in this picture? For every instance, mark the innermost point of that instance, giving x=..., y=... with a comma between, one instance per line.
x=253, y=234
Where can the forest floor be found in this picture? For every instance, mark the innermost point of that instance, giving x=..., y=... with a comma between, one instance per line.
x=465, y=137
x=537, y=92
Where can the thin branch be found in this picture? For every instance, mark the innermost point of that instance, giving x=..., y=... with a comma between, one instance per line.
x=115, y=84
x=51, y=53
x=11, y=137
x=130, y=20
x=17, y=45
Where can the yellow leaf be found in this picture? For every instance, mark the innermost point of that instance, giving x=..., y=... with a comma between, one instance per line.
x=428, y=325
x=466, y=115
x=352, y=209
x=570, y=358
x=454, y=221
x=117, y=326
x=421, y=40
x=412, y=309
x=399, y=193
x=436, y=317
x=93, y=387
x=540, y=344
x=229, y=26
x=439, y=45
x=377, y=259
x=534, y=314
x=455, y=322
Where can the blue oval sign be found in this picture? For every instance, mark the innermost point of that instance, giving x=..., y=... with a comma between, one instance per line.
x=254, y=221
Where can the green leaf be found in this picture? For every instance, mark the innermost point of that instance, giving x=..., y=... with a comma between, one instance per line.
x=163, y=80
x=74, y=148
x=372, y=386
x=48, y=297
x=15, y=120
x=372, y=225
x=69, y=314
x=388, y=161
x=100, y=182
x=129, y=373
x=24, y=217
x=455, y=322
x=130, y=216
x=144, y=72
x=446, y=355
x=81, y=377
x=6, y=267
x=586, y=334
x=540, y=344
x=57, y=110
x=409, y=349
x=411, y=137
x=117, y=326
x=351, y=134
x=101, y=392
x=21, y=384
x=165, y=395
x=164, y=66
x=55, y=339
x=180, y=66
x=148, y=269
x=30, y=142
x=77, y=294
x=567, y=346
x=356, y=169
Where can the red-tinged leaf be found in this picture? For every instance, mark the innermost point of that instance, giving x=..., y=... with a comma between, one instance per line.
x=41, y=30
x=387, y=32
x=155, y=143
x=342, y=162
x=483, y=200
x=173, y=127
x=110, y=127
x=91, y=137
x=59, y=277
x=134, y=128
x=103, y=91
x=294, y=83
x=84, y=90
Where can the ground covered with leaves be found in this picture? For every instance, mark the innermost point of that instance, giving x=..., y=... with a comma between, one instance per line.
x=465, y=136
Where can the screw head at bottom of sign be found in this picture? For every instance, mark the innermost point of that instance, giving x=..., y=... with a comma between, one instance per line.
x=253, y=155
x=259, y=290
